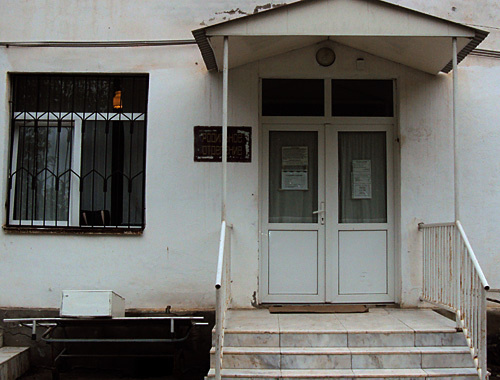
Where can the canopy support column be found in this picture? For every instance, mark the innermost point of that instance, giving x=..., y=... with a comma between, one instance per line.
x=225, y=78
x=455, y=134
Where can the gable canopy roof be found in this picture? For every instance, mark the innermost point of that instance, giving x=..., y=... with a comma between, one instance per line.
x=386, y=30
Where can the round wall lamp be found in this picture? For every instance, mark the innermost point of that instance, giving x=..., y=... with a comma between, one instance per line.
x=325, y=56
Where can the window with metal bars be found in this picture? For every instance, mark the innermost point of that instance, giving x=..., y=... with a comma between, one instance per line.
x=78, y=145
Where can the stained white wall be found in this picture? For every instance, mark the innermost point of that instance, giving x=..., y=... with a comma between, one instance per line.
x=478, y=125
x=425, y=149
x=173, y=262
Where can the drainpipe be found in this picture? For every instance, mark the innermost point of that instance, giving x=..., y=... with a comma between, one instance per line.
x=225, y=77
x=455, y=134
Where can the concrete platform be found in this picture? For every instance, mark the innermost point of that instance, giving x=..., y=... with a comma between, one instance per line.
x=380, y=320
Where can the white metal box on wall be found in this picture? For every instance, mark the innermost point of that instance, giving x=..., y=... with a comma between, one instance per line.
x=92, y=303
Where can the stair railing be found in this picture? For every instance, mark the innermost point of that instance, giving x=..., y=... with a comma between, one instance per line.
x=453, y=279
x=222, y=293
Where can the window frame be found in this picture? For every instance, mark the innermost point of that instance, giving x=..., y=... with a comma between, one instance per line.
x=75, y=121
x=75, y=159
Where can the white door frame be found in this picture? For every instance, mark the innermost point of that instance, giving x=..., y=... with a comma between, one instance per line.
x=328, y=292
x=332, y=220
x=319, y=297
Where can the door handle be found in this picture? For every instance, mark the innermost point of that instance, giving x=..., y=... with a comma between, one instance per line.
x=321, y=213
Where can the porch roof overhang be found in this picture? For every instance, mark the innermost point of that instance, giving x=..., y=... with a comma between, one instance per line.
x=389, y=31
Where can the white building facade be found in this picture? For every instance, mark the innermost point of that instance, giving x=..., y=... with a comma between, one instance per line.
x=103, y=188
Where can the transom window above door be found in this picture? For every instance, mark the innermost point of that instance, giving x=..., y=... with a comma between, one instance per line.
x=78, y=151
x=347, y=97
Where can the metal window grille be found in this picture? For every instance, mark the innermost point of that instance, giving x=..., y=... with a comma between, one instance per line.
x=78, y=145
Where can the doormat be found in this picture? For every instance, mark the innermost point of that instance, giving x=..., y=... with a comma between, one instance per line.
x=318, y=309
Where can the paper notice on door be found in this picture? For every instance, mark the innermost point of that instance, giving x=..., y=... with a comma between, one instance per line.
x=293, y=180
x=294, y=167
x=294, y=157
x=361, y=179
x=362, y=191
x=361, y=165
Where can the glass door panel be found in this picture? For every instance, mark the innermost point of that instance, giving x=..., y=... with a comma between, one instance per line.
x=293, y=177
x=293, y=261
x=362, y=177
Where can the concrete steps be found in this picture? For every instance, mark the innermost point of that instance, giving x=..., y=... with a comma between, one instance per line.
x=240, y=338
x=346, y=358
x=365, y=374
x=298, y=348
x=14, y=361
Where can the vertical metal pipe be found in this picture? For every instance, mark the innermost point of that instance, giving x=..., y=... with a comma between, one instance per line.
x=432, y=262
x=228, y=269
x=225, y=79
x=455, y=134
x=458, y=270
x=441, y=265
x=218, y=334
x=33, y=330
x=483, y=336
x=427, y=261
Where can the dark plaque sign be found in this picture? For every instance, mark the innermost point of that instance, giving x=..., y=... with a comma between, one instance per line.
x=208, y=144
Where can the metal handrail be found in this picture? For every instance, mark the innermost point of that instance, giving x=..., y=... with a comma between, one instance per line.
x=222, y=293
x=453, y=279
x=472, y=256
x=220, y=261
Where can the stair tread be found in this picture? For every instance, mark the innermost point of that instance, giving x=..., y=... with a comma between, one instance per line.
x=345, y=350
x=7, y=353
x=247, y=372
x=9, y=349
x=451, y=371
x=14, y=362
x=333, y=373
x=305, y=330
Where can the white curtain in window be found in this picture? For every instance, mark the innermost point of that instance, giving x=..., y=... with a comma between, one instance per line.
x=362, y=153
x=42, y=174
x=286, y=204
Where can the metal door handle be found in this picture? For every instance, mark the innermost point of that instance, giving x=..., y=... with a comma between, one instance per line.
x=321, y=212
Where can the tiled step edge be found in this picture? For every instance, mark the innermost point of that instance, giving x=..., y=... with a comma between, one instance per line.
x=267, y=374
x=393, y=374
x=342, y=339
x=14, y=361
x=343, y=350
x=346, y=358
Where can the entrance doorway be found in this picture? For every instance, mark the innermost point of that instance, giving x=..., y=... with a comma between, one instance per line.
x=327, y=206
x=327, y=214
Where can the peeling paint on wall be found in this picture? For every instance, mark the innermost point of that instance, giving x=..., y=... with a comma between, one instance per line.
x=238, y=12
x=267, y=6
x=233, y=12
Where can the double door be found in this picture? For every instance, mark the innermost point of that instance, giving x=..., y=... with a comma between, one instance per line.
x=327, y=214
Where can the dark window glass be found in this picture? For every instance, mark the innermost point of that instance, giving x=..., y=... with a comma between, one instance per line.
x=352, y=97
x=112, y=171
x=79, y=93
x=293, y=97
